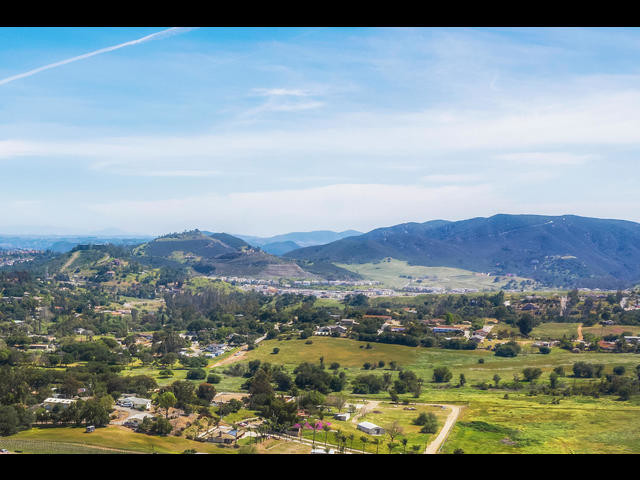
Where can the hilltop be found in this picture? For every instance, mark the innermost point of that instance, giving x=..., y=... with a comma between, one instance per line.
x=216, y=253
x=563, y=250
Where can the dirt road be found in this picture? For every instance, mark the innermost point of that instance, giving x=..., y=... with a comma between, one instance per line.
x=434, y=446
x=580, y=337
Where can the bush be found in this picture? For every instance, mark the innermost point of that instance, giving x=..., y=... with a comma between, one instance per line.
x=509, y=349
x=196, y=374
x=545, y=350
x=213, y=378
x=276, y=350
x=531, y=373
x=442, y=375
x=619, y=370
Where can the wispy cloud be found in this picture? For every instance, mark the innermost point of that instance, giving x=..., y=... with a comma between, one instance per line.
x=154, y=36
x=546, y=158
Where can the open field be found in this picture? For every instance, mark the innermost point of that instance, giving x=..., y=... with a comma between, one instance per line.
x=75, y=440
x=518, y=424
x=393, y=274
x=555, y=330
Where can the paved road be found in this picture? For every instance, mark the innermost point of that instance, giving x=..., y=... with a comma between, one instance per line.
x=434, y=447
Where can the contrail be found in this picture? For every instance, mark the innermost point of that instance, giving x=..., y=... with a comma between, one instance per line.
x=163, y=33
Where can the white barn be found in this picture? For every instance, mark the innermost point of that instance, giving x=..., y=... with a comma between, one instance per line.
x=370, y=428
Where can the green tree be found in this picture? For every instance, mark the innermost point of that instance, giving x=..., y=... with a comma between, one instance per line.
x=166, y=401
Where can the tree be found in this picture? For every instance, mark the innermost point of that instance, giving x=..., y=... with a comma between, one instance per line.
x=442, y=374
x=9, y=420
x=619, y=370
x=553, y=379
x=496, y=380
x=404, y=442
x=206, y=392
x=428, y=421
x=531, y=373
x=525, y=323
x=391, y=446
x=463, y=380
x=364, y=441
x=394, y=430
x=376, y=442
x=167, y=400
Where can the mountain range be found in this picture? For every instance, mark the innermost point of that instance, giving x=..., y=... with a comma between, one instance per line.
x=281, y=244
x=565, y=250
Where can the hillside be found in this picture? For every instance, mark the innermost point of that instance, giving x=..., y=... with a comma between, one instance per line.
x=554, y=250
x=216, y=254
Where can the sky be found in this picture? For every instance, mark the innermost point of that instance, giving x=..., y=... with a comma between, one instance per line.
x=262, y=131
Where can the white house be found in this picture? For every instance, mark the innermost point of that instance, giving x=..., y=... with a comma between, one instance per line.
x=134, y=402
x=49, y=403
x=370, y=428
x=342, y=416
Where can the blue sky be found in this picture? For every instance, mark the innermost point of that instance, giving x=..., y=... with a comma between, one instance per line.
x=263, y=131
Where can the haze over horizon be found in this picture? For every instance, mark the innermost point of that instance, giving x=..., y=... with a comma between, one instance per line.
x=273, y=130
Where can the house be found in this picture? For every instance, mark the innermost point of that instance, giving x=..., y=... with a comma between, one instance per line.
x=51, y=402
x=134, y=421
x=330, y=330
x=370, y=428
x=348, y=322
x=608, y=346
x=342, y=416
x=447, y=330
x=529, y=307
x=220, y=436
x=134, y=402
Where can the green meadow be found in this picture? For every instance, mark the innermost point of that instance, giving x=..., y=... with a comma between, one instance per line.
x=519, y=423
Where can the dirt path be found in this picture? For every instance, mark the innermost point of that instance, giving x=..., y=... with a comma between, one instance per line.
x=68, y=263
x=434, y=447
x=369, y=406
x=235, y=357
x=580, y=337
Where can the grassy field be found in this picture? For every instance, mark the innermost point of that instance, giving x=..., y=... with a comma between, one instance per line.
x=392, y=273
x=553, y=330
x=518, y=424
x=111, y=439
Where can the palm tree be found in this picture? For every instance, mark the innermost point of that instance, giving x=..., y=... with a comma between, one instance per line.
x=351, y=437
x=364, y=441
x=326, y=429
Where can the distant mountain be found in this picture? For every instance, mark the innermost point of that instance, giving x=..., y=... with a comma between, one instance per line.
x=216, y=253
x=279, y=248
x=301, y=239
x=65, y=243
x=556, y=250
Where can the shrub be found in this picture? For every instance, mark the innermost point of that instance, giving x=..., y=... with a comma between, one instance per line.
x=442, y=375
x=196, y=374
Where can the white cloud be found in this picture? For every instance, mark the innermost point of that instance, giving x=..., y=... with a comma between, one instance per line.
x=360, y=206
x=604, y=120
x=546, y=158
